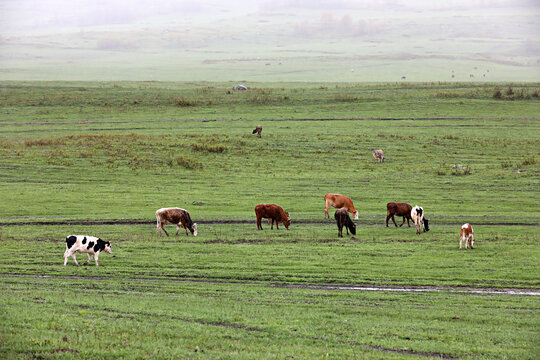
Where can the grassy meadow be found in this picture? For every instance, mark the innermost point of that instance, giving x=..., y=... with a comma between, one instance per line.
x=91, y=158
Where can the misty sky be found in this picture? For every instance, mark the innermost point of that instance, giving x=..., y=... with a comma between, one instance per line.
x=35, y=16
x=40, y=39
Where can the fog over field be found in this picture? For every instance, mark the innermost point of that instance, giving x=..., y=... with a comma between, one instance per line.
x=265, y=40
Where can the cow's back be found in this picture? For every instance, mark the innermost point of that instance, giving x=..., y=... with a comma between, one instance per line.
x=268, y=211
x=338, y=200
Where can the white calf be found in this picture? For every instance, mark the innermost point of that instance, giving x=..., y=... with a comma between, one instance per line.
x=85, y=244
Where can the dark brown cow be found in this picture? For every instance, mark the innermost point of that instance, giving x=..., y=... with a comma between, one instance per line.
x=177, y=216
x=258, y=130
x=399, y=209
x=273, y=212
x=343, y=220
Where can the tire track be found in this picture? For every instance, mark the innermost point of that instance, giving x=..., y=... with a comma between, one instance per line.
x=324, y=287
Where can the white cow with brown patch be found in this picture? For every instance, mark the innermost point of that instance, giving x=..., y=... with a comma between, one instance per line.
x=378, y=155
x=177, y=216
x=466, y=235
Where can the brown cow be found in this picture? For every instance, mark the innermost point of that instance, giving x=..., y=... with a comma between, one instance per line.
x=177, y=216
x=378, y=155
x=466, y=235
x=343, y=220
x=258, y=130
x=399, y=209
x=338, y=201
x=273, y=212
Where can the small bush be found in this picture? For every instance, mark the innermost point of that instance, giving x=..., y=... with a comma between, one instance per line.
x=209, y=148
x=535, y=94
x=507, y=164
x=188, y=163
x=183, y=102
x=530, y=160
x=509, y=91
x=497, y=94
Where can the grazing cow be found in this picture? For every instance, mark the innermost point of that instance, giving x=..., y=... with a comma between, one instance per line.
x=85, y=244
x=339, y=201
x=240, y=87
x=378, y=155
x=417, y=215
x=258, y=130
x=466, y=235
x=272, y=212
x=399, y=209
x=343, y=219
x=177, y=216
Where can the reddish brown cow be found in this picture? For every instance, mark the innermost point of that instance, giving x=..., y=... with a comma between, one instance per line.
x=273, y=212
x=466, y=235
x=338, y=201
x=399, y=209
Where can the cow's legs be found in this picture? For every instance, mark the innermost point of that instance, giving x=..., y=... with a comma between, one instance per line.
x=326, y=207
x=259, y=225
x=408, y=223
x=277, y=224
x=67, y=254
x=472, y=241
x=74, y=258
x=403, y=222
x=96, y=258
x=89, y=258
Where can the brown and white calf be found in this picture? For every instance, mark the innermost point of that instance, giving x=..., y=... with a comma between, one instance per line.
x=378, y=155
x=176, y=216
x=85, y=244
x=466, y=235
x=339, y=201
x=417, y=215
x=258, y=130
x=272, y=212
x=399, y=209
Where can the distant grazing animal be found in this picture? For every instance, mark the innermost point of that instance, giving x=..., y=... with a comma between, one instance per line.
x=258, y=130
x=466, y=235
x=240, y=87
x=85, y=244
x=378, y=155
x=343, y=220
x=417, y=215
x=399, y=209
x=338, y=201
x=177, y=216
x=273, y=212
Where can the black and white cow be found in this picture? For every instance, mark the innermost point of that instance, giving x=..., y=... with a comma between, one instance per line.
x=417, y=215
x=85, y=244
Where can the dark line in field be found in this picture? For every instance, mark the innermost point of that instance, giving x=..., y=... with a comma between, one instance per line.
x=217, y=221
x=326, y=287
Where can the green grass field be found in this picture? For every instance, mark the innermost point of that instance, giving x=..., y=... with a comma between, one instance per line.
x=100, y=158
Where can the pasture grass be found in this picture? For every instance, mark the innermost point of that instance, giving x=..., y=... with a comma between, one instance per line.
x=116, y=152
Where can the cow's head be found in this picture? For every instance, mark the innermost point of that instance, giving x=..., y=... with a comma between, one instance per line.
x=425, y=222
x=193, y=229
x=352, y=228
x=355, y=215
x=107, y=247
x=286, y=221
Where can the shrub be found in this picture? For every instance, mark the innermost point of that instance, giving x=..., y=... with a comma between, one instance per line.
x=497, y=93
x=509, y=91
x=460, y=171
x=209, y=148
x=530, y=160
x=535, y=93
x=183, y=102
x=188, y=163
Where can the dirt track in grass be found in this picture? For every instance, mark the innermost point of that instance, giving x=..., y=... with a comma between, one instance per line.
x=323, y=287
